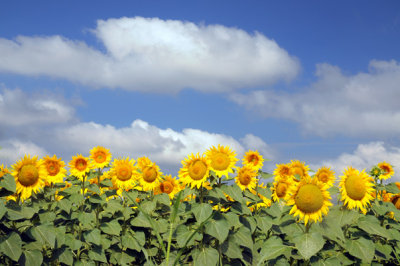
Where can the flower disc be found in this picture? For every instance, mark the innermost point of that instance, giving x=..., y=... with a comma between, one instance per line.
x=30, y=175
x=356, y=189
x=194, y=171
x=222, y=160
x=246, y=178
x=310, y=199
x=80, y=166
x=100, y=157
x=123, y=173
x=325, y=175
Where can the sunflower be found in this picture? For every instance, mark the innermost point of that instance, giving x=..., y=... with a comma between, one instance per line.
x=142, y=162
x=356, y=188
x=253, y=159
x=246, y=178
x=30, y=175
x=123, y=173
x=282, y=170
x=100, y=157
x=299, y=168
x=169, y=186
x=150, y=176
x=55, y=169
x=396, y=201
x=310, y=199
x=195, y=170
x=3, y=170
x=80, y=166
x=387, y=170
x=325, y=175
x=280, y=187
x=222, y=160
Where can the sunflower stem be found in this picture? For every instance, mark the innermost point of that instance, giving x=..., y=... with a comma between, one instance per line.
x=308, y=225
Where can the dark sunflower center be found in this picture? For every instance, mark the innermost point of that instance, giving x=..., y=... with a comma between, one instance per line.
x=323, y=177
x=100, y=157
x=281, y=189
x=355, y=187
x=28, y=175
x=309, y=198
x=245, y=179
x=220, y=161
x=197, y=170
x=124, y=173
x=81, y=164
x=53, y=168
x=149, y=174
x=167, y=187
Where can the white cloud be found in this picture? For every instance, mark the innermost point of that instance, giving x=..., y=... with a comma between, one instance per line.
x=365, y=156
x=61, y=134
x=13, y=150
x=364, y=104
x=20, y=109
x=150, y=54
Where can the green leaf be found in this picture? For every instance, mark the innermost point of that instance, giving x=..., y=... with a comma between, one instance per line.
x=362, y=248
x=392, y=188
x=202, y=212
x=141, y=221
x=93, y=236
x=111, y=228
x=66, y=256
x=71, y=242
x=15, y=212
x=233, y=191
x=95, y=198
x=328, y=262
x=11, y=246
x=371, y=225
x=273, y=248
x=217, y=228
x=232, y=219
x=309, y=244
x=8, y=182
x=3, y=210
x=148, y=206
x=207, y=256
x=163, y=199
x=31, y=257
x=97, y=253
x=65, y=205
x=343, y=216
x=45, y=234
x=128, y=241
x=183, y=234
x=231, y=249
x=243, y=237
x=331, y=229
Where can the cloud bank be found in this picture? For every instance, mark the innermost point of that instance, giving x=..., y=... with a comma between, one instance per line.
x=154, y=55
x=62, y=134
x=364, y=104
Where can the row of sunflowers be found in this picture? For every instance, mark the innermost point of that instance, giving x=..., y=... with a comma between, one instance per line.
x=209, y=184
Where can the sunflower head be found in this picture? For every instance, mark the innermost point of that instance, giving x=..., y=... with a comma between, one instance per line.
x=386, y=170
x=150, y=177
x=169, y=186
x=253, y=159
x=195, y=171
x=299, y=169
x=222, y=160
x=100, y=157
x=246, y=178
x=80, y=166
x=123, y=173
x=310, y=200
x=3, y=170
x=280, y=187
x=30, y=175
x=55, y=169
x=356, y=189
x=396, y=201
x=325, y=175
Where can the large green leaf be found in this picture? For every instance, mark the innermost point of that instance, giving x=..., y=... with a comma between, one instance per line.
x=15, y=212
x=31, y=257
x=217, y=228
x=183, y=235
x=371, y=225
x=243, y=237
x=206, y=256
x=309, y=244
x=273, y=248
x=111, y=228
x=342, y=216
x=11, y=246
x=233, y=191
x=66, y=256
x=141, y=221
x=128, y=241
x=264, y=223
x=45, y=234
x=331, y=229
x=8, y=182
x=3, y=210
x=202, y=212
x=362, y=248
x=97, y=253
x=93, y=236
x=231, y=249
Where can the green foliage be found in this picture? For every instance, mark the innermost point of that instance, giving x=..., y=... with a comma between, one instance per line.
x=139, y=228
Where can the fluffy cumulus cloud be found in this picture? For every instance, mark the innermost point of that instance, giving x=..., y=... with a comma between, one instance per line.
x=364, y=104
x=150, y=54
x=365, y=156
x=65, y=136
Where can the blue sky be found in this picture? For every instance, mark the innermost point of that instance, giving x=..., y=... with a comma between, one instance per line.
x=316, y=81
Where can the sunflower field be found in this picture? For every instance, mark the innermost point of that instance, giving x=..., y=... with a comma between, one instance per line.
x=217, y=211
